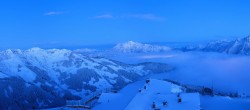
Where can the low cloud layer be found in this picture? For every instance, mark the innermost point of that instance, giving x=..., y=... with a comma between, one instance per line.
x=228, y=73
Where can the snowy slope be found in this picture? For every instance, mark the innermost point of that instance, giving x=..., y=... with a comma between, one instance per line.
x=111, y=101
x=136, y=47
x=157, y=91
x=130, y=99
x=38, y=78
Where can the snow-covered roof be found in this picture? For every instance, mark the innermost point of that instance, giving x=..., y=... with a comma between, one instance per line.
x=157, y=91
x=144, y=101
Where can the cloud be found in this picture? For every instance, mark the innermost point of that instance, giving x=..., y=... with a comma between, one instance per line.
x=54, y=13
x=104, y=16
x=226, y=73
x=156, y=56
x=130, y=16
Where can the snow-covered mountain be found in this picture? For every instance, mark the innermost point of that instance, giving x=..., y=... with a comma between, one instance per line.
x=38, y=78
x=238, y=46
x=136, y=47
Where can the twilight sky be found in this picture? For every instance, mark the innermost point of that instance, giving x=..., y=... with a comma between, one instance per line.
x=54, y=23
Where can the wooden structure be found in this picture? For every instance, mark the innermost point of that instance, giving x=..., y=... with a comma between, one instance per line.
x=88, y=103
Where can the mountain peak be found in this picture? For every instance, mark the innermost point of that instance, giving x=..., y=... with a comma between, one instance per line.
x=136, y=47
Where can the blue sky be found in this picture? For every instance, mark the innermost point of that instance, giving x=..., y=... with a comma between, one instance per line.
x=55, y=23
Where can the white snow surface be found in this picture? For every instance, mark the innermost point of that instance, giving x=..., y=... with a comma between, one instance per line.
x=157, y=91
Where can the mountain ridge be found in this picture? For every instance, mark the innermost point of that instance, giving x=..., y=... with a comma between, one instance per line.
x=136, y=47
x=238, y=46
x=38, y=78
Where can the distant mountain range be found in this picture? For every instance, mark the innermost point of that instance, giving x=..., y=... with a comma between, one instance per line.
x=38, y=78
x=238, y=46
x=136, y=47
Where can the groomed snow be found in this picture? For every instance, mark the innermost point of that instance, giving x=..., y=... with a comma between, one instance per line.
x=156, y=91
x=159, y=91
x=110, y=101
